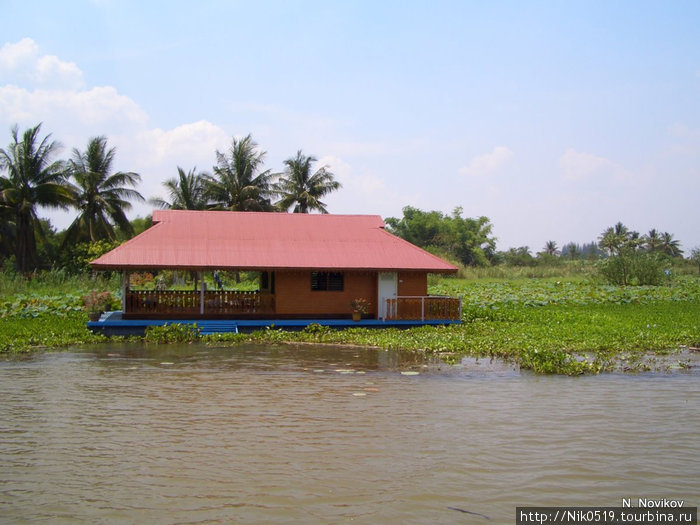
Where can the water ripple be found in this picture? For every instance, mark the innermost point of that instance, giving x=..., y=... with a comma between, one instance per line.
x=279, y=434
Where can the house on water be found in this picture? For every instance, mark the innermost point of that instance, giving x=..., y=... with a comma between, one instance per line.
x=311, y=267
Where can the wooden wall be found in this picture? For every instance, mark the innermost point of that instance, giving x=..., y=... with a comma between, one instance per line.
x=413, y=283
x=294, y=297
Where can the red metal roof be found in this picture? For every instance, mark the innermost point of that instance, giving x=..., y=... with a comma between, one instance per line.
x=252, y=241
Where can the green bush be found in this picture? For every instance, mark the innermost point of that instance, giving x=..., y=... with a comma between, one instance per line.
x=633, y=268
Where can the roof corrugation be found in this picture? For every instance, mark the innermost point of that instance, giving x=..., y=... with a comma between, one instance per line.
x=249, y=240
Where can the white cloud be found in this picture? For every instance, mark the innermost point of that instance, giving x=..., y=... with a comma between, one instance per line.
x=576, y=166
x=21, y=64
x=156, y=153
x=362, y=191
x=487, y=163
x=365, y=183
x=92, y=109
x=186, y=145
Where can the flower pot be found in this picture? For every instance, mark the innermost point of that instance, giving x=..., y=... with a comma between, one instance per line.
x=356, y=316
x=94, y=316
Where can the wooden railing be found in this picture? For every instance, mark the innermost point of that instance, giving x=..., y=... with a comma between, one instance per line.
x=424, y=308
x=219, y=303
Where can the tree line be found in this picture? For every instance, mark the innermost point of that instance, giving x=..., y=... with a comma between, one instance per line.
x=470, y=242
x=31, y=177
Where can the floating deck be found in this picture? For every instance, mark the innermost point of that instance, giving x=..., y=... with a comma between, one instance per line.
x=111, y=323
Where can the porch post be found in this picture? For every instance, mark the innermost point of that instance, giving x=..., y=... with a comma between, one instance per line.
x=422, y=308
x=201, y=293
x=125, y=289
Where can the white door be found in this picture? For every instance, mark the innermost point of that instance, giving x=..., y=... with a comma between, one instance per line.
x=387, y=286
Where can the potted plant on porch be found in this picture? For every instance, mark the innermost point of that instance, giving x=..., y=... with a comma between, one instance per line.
x=96, y=303
x=359, y=307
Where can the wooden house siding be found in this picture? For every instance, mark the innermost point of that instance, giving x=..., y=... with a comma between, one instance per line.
x=412, y=283
x=294, y=297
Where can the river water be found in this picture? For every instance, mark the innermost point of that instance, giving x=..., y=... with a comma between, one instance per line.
x=308, y=434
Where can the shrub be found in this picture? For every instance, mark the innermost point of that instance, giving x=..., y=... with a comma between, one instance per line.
x=633, y=268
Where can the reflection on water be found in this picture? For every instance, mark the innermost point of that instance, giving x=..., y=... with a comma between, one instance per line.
x=255, y=434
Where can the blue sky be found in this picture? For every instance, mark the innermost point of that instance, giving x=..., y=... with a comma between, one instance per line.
x=553, y=119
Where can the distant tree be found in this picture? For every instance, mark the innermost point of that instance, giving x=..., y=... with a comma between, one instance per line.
x=695, y=256
x=33, y=179
x=303, y=190
x=571, y=251
x=48, y=247
x=186, y=192
x=590, y=251
x=422, y=228
x=631, y=261
x=467, y=240
x=551, y=248
x=101, y=197
x=617, y=238
x=238, y=184
x=520, y=256
x=652, y=241
x=138, y=225
x=670, y=246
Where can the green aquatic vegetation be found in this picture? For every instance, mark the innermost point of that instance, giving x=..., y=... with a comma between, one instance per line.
x=171, y=333
x=18, y=334
x=565, y=339
x=541, y=292
x=547, y=326
x=32, y=306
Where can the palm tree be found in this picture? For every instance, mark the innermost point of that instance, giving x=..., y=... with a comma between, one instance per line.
x=551, y=248
x=185, y=193
x=619, y=237
x=7, y=224
x=238, y=185
x=33, y=179
x=101, y=197
x=299, y=188
x=670, y=246
x=653, y=240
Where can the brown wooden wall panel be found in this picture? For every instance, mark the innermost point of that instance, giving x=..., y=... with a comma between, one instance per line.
x=413, y=283
x=293, y=294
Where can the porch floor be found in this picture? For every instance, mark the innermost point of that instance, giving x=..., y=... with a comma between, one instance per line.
x=111, y=323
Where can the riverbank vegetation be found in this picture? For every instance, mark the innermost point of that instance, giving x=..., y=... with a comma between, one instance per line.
x=564, y=327
x=559, y=324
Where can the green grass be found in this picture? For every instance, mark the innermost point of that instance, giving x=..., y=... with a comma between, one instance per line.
x=547, y=325
x=55, y=282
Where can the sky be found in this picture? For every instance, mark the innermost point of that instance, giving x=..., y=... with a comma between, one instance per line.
x=553, y=119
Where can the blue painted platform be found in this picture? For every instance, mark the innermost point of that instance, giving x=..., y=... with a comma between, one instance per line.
x=111, y=323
